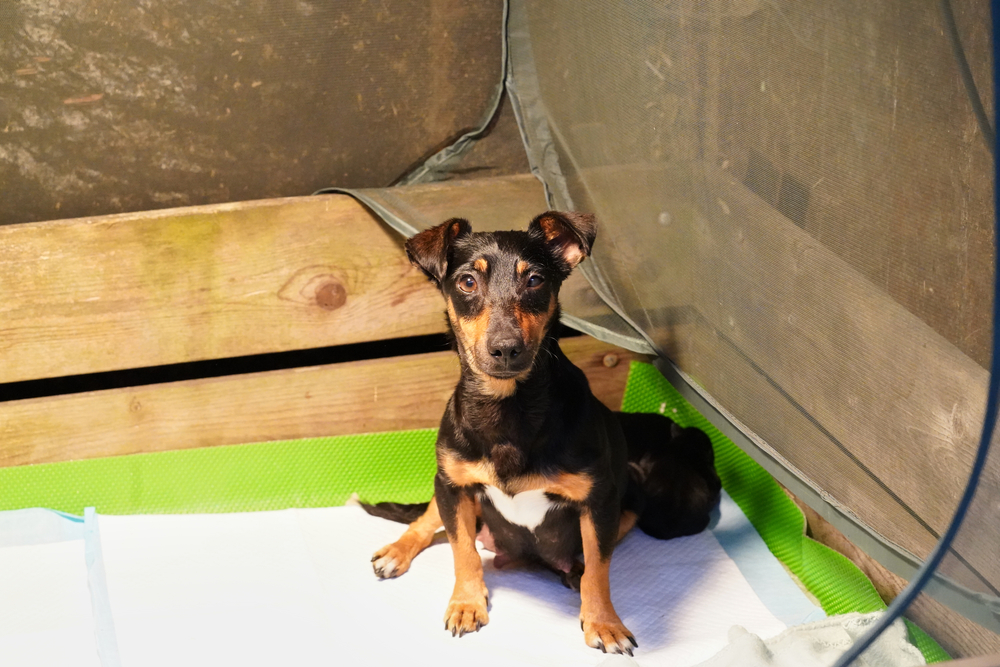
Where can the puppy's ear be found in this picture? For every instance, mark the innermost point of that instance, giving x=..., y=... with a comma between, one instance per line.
x=570, y=236
x=429, y=249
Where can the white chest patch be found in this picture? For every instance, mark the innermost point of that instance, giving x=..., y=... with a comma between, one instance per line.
x=527, y=508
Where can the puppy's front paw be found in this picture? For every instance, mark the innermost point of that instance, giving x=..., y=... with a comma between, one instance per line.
x=607, y=633
x=391, y=561
x=467, y=612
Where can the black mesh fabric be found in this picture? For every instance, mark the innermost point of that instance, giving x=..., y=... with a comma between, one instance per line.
x=796, y=206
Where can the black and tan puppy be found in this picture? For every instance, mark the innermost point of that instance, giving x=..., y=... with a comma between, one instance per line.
x=525, y=449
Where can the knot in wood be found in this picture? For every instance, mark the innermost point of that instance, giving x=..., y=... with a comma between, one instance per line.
x=331, y=296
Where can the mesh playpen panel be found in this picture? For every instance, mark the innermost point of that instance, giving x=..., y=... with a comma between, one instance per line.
x=797, y=207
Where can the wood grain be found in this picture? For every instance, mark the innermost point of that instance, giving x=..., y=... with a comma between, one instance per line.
x=978, y=661
x=357, y=397
x=145, y=289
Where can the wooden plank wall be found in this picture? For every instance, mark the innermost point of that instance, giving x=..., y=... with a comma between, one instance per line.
x=144, y=289
x=136, y=290
x=761, y=314
x=356, y=397
x=775, y=308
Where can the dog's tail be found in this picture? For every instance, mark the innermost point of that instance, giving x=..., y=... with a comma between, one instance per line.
x=396, y=511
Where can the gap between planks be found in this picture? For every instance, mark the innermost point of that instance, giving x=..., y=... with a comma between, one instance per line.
x=356, y=397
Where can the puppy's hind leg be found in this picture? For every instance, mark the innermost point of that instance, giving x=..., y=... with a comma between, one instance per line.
x=627, y=523
x=394, y=559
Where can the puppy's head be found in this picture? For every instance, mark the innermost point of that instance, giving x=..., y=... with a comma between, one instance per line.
x=502, y=288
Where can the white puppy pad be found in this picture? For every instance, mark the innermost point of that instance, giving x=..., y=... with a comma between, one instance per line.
x=223, y=589
x=46, y=617
x=296, y=587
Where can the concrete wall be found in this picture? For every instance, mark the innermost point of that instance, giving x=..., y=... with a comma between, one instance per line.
x=112, y=105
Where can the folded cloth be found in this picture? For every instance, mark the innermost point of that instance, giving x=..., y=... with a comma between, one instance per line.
x=818, y=644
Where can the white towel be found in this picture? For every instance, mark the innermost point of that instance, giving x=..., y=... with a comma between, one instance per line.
x=819, y=644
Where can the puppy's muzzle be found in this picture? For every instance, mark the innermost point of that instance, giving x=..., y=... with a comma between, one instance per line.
x=508, y=355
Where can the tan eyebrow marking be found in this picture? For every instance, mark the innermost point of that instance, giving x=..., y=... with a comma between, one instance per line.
x=522, y=266
x=481, y=265
x=532, y=325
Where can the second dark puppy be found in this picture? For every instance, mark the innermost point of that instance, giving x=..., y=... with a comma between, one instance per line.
x=525, y=449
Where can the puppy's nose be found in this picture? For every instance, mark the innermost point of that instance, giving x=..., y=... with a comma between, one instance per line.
x=506, y=349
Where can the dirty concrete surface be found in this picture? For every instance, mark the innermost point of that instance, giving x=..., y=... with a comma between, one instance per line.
x=112, y=105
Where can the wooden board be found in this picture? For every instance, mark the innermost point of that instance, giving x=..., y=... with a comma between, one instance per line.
x=978, y=661
x=145, y=289
x=356, y=397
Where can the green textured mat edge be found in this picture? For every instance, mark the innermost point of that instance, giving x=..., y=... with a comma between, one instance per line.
x=314, y=472
x=834, y=580
x=323, y=472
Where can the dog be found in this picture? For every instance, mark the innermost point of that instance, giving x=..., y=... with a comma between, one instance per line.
x=528, y=460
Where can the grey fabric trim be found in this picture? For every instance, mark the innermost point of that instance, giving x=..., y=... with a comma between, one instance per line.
x=525, y=101
x=977, y=607
x=373, y=200
x=638, y=345
x=539, y=144
x=439, y=166
x=603, y=289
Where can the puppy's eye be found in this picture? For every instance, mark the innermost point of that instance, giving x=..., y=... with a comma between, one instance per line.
x=535, y=281
x=467, y=284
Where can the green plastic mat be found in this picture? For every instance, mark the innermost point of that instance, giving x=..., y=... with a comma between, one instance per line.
x=834, y=580
x=316, y=472
x=323, y=472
